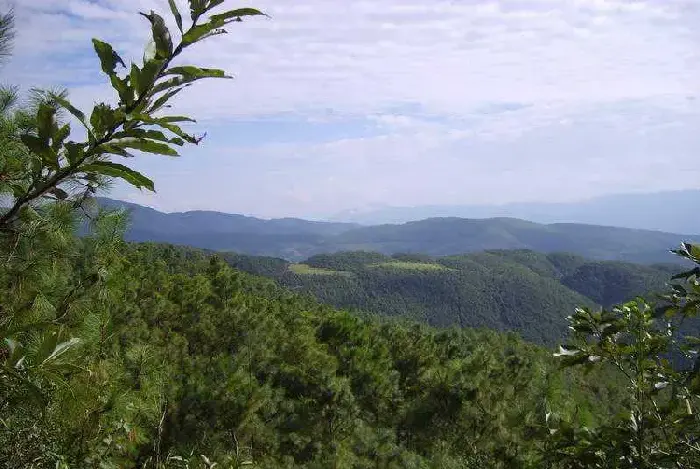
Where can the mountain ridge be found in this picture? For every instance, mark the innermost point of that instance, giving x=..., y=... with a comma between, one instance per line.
x=296, y=239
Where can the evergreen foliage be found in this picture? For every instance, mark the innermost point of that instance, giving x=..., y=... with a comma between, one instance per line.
x=188, y=356
x=509, y=290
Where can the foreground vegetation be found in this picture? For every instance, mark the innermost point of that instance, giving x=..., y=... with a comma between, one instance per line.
x=185, y=354
x=117, y=355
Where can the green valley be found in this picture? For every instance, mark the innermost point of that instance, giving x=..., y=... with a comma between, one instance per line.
x=523, y=291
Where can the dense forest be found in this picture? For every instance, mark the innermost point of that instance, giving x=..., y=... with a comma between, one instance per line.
x=119, y=355
x=187, y=354
x=524, y=291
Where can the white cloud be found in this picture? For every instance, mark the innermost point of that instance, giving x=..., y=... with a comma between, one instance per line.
x=631, y=147
x=537, y=98
x=447, y=56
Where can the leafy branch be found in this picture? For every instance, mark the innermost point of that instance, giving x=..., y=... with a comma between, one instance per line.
x=130, y=125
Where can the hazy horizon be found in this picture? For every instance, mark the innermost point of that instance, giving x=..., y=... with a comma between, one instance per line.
x=341, y=106
x=621, y=210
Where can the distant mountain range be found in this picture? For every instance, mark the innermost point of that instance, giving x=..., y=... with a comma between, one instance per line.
x=663, y=211
x=296, y=239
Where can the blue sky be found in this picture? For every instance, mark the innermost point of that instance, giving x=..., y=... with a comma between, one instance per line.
x=352, y=105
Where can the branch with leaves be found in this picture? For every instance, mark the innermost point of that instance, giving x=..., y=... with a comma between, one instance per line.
x=61, y=165
x=661, y=367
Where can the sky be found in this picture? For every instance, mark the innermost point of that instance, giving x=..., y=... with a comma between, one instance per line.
x=350, y=105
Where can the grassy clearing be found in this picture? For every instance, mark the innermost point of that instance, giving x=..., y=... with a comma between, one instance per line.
x=303, y=269
x=402, y=265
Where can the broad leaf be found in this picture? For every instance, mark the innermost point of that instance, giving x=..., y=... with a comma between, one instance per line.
x=74, y=152
x=176, y=119
x=172, y=83
x=148, y=75
x=234, y=14
x=146, y=133
x=102, y=119
x=135, y=78
x=125, y=92
x=46, y=122
x=162, y=100
x=64, y=103
x=144, y=145
x=107, y=168
x=166, y=124
x=42, y=149
x=115, y=150
x=35, y=144
x=59, y=137
x=161, y=35
x=108, y=58
x=198, y=32
x=197, y=7
x=189, y=71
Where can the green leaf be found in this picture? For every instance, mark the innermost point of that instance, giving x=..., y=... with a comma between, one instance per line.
x=107, y=168
x=108, y=58
x=114, y=150
x=135, y=78
x=176, y=14
x=161, y=35
x=59, y=137
x=41, y=148
x=197, y=7
x=74, y=152
x=125, y=92
x=146, y=133
x=214, y=3
x=46, y=122
x=198, y=32
x=144, y=145
x=172, y=83
x=64, y=103
x=35, y=144
x=236, y=14
x=102, y=119
x=167, y=124
x=694, y=250
x=176, y=119
x=160, y=102
x=190, y=71
x=570, y=361
x=148, y=75
x=48, y=343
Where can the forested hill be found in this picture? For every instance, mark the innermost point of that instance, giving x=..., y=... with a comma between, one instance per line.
x=517, y=290
x=190, y=354
x=296, y=239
